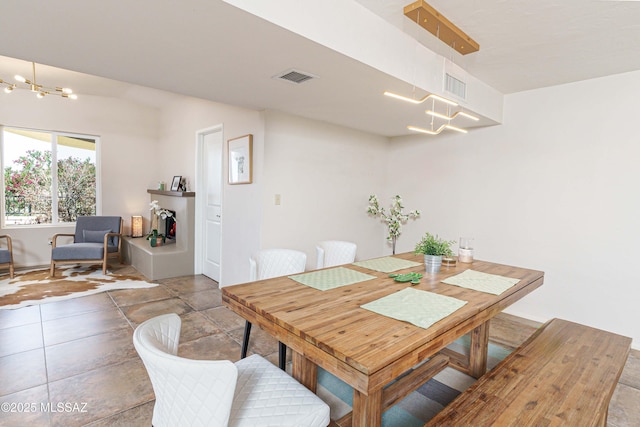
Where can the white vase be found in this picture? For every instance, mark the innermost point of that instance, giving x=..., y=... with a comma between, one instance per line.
x=432, y=263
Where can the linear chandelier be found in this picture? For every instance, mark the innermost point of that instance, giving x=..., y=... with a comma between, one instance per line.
x=39, y=89
x=435, y=114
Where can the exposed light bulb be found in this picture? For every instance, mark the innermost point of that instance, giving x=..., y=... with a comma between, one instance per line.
x=8, y=89
x=20, y=78
x=40, y=95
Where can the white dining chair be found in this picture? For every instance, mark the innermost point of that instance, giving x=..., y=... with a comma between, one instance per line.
x=250, y=392
x=335, y=252
x=266, y=264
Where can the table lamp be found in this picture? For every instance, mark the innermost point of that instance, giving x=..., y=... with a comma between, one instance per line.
x=136, y=226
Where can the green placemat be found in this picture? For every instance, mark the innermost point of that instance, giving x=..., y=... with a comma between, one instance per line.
x=420, y=308
x=483, y=282
x=386, y=264
x=331, y=278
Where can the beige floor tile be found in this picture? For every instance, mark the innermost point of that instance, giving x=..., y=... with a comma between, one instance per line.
x=19, y=316
x=82, y=355
x=624, y=410
x=140, y=416
x=202, y=300
x=20, y=338
x=83, y=325
x=140, y=312
x=126, y=297
x=27, y=408
x=212, y=347
x=195, y=325
x=22, y=371
x=225, y=318
x=631, y=373
x=189, y=284
x=102, y=392
x=260, y=342
x=72, y=307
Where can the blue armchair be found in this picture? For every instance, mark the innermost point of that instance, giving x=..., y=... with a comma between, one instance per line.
x=6, y=255
x=96, y=239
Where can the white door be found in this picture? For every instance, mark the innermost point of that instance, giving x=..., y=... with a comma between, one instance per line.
x=212, y=180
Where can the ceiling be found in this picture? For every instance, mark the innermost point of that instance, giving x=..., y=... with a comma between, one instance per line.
x=212, y=50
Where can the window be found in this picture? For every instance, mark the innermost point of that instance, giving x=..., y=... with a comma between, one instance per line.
x=38, y=164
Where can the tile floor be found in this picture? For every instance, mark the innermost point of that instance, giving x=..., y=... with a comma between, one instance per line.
x=72, y=363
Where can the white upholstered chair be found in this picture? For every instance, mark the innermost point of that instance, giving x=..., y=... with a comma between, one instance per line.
x=266, y=264
x=335, y=252
x=213, y=393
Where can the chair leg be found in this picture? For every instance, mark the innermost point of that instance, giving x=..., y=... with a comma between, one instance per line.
x=52, y=271
x=245, y=339
x=282, y=355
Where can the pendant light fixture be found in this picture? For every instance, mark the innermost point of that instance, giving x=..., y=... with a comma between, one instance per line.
x=431, y=20
x=39, y=89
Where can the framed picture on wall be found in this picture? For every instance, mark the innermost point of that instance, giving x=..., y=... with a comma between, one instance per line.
x=240, y=159
x=175, y=183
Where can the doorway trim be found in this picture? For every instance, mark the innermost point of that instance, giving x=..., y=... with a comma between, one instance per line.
x=199, y=241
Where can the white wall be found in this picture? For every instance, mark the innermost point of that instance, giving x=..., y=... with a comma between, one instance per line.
x=324, y=174
x=241, y=204
x=128, y=133
x=554, y=188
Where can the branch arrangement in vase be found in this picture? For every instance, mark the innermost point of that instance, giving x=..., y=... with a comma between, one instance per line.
x=394, y=219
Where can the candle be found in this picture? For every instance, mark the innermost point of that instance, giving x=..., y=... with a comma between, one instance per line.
x=465, y=250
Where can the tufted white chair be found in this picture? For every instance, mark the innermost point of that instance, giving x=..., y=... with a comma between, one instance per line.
x=335, y=252
x=213, y=393
x=266, y=264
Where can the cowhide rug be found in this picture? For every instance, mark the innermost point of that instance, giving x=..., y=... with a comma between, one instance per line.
x=36, y=287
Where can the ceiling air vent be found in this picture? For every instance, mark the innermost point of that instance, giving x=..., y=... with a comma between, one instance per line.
x=455, y=86
x=295, y=76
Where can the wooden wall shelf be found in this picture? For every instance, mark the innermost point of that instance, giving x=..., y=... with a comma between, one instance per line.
x=173, y=193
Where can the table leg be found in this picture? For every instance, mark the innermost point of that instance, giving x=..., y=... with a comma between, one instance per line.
x=367, y=409
x=478, y=350
x=305, y=371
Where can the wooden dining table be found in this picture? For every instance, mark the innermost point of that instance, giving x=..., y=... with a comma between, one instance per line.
x=382, y=358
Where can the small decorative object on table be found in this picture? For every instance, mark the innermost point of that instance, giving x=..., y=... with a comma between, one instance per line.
x=414, y=278
x=433, y=248
x=465, y=250
x=157, y=212
x=448, y=261
x=394, y=219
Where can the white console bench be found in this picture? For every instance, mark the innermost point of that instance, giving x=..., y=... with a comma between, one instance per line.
x=171, y=259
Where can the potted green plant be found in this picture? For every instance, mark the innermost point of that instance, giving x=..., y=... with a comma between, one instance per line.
x=433, y=248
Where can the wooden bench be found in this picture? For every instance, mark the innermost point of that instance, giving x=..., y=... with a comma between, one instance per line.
x=563, y=375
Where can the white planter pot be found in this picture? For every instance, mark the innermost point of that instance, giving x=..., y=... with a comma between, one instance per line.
x=432, y=263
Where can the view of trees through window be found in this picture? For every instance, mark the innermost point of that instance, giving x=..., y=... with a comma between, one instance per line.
x=39, y=164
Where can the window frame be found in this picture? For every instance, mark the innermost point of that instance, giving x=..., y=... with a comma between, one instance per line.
x=54, y=176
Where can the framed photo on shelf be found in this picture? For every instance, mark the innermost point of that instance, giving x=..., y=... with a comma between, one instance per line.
x=240, y=159
x=175, y=183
